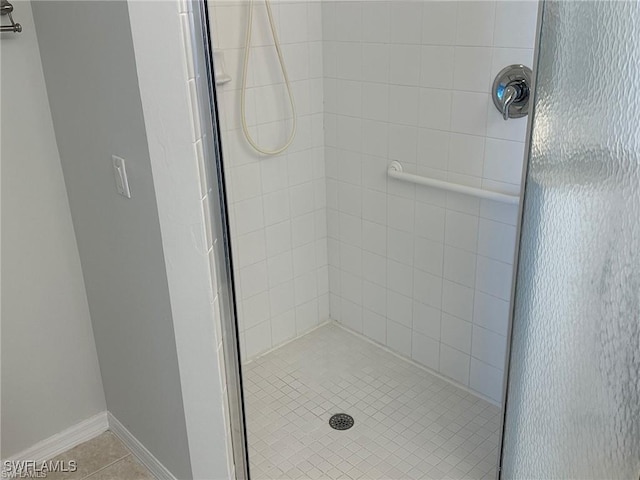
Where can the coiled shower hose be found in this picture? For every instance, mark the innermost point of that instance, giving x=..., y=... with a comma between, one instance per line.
x=243, y=92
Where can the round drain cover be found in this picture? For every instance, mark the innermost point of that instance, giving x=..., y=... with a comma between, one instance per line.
x=341, y=421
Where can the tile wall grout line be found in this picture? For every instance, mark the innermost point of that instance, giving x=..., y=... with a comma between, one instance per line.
x=410, y=361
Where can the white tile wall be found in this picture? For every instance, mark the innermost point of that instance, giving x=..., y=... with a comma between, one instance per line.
x=426, y=273
x=277, y=204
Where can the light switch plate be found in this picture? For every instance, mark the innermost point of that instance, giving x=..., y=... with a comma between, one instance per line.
x=120, y=172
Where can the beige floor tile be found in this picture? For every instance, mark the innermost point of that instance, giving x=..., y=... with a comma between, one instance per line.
x=126, y=469
x=91, y=456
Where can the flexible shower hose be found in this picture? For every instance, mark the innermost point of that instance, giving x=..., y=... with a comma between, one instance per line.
x=243, y=92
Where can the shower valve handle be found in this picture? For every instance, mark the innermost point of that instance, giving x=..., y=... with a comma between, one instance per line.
x=511, y=91
x=508, y=97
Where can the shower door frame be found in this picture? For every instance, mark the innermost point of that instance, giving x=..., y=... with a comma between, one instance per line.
x=516, y=254
x=213, y=158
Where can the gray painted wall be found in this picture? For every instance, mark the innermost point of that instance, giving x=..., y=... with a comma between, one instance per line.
x=90, y=72
x=50, y=374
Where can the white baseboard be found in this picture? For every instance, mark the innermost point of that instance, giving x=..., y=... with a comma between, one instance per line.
x=86, y=430
x=145, y=457
x=63, y=441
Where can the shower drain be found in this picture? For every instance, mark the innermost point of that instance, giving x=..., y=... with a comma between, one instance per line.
x=341, y=421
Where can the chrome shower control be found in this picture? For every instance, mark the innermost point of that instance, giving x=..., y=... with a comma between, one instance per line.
x=510, y=91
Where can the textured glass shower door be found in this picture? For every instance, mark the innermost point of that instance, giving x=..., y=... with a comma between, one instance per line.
x=573, y=398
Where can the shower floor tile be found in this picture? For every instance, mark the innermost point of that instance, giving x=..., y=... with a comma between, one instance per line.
x=409, y=424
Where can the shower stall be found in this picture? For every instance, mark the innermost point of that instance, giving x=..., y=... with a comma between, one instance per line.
x=373, y=156
x=372, y=191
